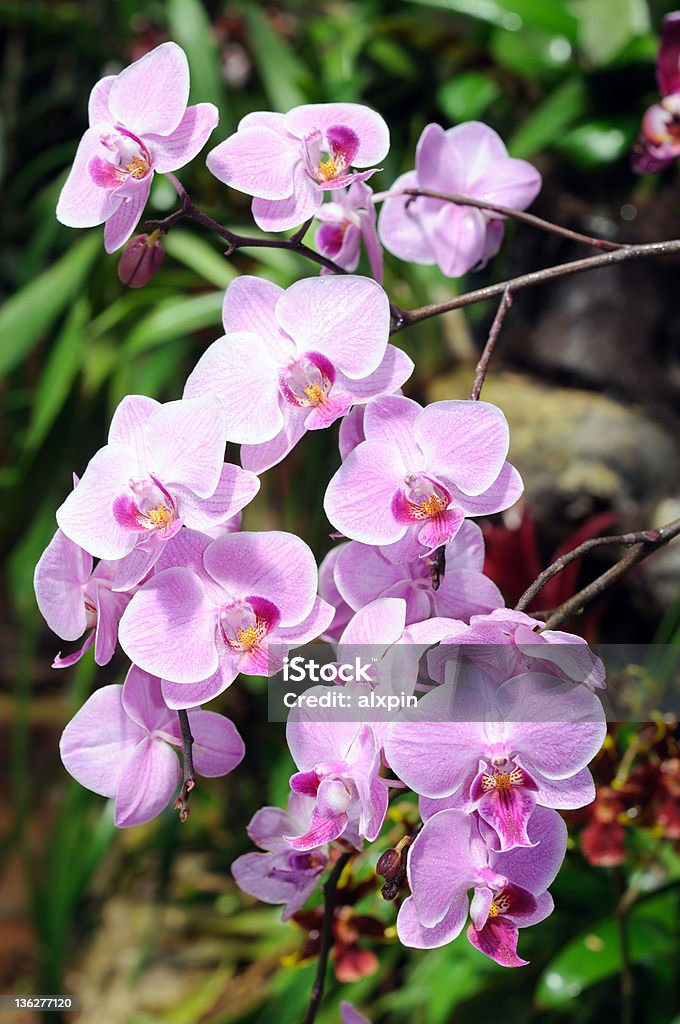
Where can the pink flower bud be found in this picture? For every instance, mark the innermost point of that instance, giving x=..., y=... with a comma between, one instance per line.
x=140, y=259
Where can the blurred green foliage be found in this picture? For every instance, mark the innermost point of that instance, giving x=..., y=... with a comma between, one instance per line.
x=565, y=82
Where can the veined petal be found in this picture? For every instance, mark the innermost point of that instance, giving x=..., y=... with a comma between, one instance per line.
x=143, y=701
x=98, y=105
x=273, y=565
x=239, y=371
x=250, y=306
x=458, y=236
x=60, y=575
x=412, y=933
x=391, y=418
x=168, y=629
x=82, y=203
x=403, y=224
x=235, y=490
x=180, y=696
x=185, y=442
x=127, y=424
x=358, y=501
x=465, y=441
x=369, y=126
x=217, y=748
x=121, y=224
x=86, y=516
x=151, y=95
x=257, y=160
x=394, y=370
x=301, y=203
x=96, y=743
x=172, y=151
x=498, y=940
x=440, y=865
x=350, y=314
x=147, y=784
x=110, y=607
x=259, y=457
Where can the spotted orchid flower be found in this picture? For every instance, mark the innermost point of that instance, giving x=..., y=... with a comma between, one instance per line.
x=73, y=596
x=213, y=609
x=450, y=856
x=469, y=160
x=296, y=360
x=501, y=751
x=140, y=124
x=120, y=744
x=659, y=142
x=163, y=467
x=288, y=161
x=345, y=222
x=419, y=473
x=281, y=874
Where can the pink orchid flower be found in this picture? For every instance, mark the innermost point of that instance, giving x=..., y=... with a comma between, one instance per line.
x=469, y=160
x=296, y=360
x=281, y=875
x=163, y=467
x=501, y=750
x=120, y=745
x=139, y=124
x=362, y=574
x=350, y=1015
x=214, y=608
x=450, y=856
x=420, y=472
x=347, y=220
x=288, y=161
x=73, y=596
x=659, y=142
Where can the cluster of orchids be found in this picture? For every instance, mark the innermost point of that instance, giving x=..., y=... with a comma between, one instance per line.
x=150, y=555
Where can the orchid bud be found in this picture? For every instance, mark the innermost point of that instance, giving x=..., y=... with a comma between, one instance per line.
x=140, y=259
x=389, y=865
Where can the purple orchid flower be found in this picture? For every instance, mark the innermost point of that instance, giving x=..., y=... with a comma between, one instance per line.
x=350, y=1015
x=501, y=750
x=450, y=856
x=296, y=360
x=163, y=467
x=288, y=161
x=362, y=574
x=214, y=608
x=659, y=142
x=339, y=765
x=139, y=124
x=508, y=642
x=120, y=745
x=420, y=472
x=347, y=220
x=281, y=875
x=469, y=160
x=328, y=590
x=73, y=597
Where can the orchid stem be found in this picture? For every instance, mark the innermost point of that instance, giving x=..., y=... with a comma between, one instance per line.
x=483, y=364
x=188, y=777
x=329, y=898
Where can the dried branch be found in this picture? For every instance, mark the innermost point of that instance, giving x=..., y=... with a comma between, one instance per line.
x=483, y=364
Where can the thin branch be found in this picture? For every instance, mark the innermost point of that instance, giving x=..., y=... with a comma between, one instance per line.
x=293, y=244
x=571, y=556
x=626, y=982
x=504, y=211
x=329, y=897
x=643, y=549
x=483, y=364
x=188, y=778
x=515, y=284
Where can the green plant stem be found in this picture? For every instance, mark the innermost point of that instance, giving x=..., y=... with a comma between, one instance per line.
x=329, y=897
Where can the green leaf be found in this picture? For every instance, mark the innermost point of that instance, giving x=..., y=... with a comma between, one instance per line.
x=515, y=15
x=595, y=143
x=606, y=26
x=190, y=27
x=182, y=316
x=281, y=72
x=554, y=115
x=62, y=368
x=466, y=96
x=596, y=954
x=199, y=256
x=531, y=52
x=27, y=316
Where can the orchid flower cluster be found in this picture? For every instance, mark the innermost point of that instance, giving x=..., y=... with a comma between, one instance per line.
x=508, y=717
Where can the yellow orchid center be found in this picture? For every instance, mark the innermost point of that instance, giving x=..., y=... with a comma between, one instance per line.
x=249, y=637
x=433, y=505
x=315, y=393
x=160, y=516
x=328, y=168
x=137, y=167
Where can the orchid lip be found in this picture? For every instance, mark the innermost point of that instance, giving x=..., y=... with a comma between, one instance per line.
x=129, y=158
x=149, y=506
x=308, y=381
x=244, y=625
